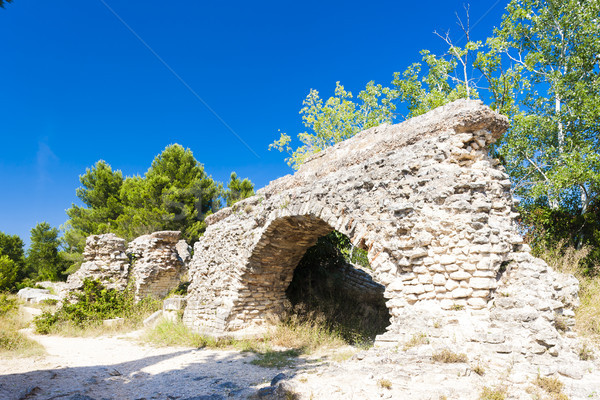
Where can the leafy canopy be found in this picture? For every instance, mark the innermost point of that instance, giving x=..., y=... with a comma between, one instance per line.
x=338, y=119
x=43, y=255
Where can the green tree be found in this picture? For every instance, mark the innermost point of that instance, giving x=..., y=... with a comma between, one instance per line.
x=338, y=119
x=552, y=151
x=100, y=192
x=238, y=189
x=42, y=257
x=12, y=247
x=175, y=194
x=8, y=273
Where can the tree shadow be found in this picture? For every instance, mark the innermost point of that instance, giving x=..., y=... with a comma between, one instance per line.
x=194, y=374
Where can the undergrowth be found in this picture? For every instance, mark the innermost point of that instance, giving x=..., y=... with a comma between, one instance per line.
x=84, y=314
x=320, y=303
x=567, y=259
x=12, y=342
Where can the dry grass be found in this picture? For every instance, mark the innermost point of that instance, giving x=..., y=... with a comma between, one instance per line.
x=479, y=369
x=384, y=384
x=550, y=385
x=447, y=356
x=12, y=342
x=417, y=339
x=587, y=316
x=308, y=332
x=547, y=388
x=492, y=394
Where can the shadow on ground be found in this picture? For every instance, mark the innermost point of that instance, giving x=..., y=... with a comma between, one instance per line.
x=195, y=374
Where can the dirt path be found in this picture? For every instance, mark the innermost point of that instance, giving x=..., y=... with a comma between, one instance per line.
x=118, y=368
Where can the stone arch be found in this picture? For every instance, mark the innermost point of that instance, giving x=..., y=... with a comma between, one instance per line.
x=423, y=197
x=272, y=263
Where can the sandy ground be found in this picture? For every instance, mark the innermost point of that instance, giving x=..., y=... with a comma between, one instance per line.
x=119, y=368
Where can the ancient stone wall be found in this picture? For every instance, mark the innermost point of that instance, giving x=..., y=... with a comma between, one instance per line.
x=105, y=260
x=432, y=209
x=155, y=266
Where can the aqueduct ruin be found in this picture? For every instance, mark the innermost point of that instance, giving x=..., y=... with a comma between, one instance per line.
x=423, y=197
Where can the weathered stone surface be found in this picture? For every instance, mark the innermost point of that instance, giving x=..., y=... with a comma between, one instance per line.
x=434, y=213
x=156, y=265
x=36, y=296
x=105, y=260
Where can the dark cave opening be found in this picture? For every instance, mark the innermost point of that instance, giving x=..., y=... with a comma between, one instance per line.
x=333, y=283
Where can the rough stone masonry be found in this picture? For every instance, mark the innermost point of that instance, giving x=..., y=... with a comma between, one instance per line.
x=434, y=212
x=154, y=263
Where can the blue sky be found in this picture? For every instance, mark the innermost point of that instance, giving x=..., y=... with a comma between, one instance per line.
x=78, y=85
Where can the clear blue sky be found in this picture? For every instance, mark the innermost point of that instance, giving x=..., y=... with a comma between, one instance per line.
x=78, y=86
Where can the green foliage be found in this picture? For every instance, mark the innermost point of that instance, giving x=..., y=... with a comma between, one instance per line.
x=12, y=261
x=42, y=257
x=552, y=151
x=238, y=189
x=338, y=119
x=91, y=306
x=438, y=86
x=563, y=228
x=7, y=303
x=8, y=273
x=174, y=194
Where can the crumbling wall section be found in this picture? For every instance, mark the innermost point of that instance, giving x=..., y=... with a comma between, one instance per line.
x=105, y=260
x=156, y=264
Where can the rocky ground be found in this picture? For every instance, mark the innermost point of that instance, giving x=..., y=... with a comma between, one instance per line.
x=119, y=368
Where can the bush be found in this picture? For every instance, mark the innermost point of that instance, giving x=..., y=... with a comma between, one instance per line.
x=93, y=305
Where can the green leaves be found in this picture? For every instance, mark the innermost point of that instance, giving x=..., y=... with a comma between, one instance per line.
x=174, y=194
x=238, y=189
x=42, y=257
x=338, y=119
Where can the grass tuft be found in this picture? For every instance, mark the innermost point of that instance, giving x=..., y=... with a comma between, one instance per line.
x=550, y=385
x=384, y=384
x=492, y=394
x=417, y=339
x=447, y=356
x=276, y=359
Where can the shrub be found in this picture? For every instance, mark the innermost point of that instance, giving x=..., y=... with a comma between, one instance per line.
x=94, y=304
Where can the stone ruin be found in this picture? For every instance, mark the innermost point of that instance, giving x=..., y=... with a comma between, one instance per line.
x=435, y=214
x=154, y=263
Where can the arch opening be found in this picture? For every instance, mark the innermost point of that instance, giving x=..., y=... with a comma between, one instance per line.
x=333, y=285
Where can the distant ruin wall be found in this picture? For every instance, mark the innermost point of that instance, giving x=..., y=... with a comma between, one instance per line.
x=152, y=262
